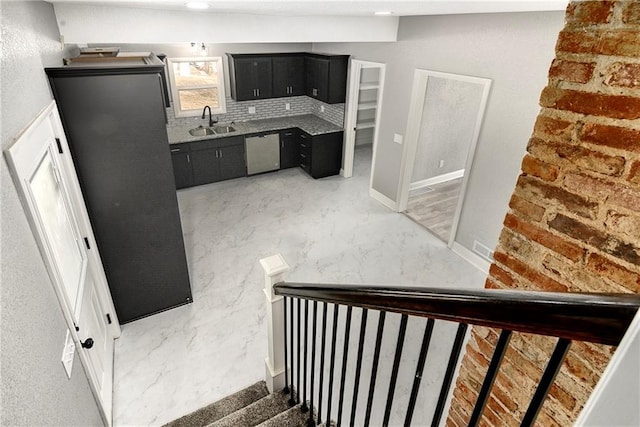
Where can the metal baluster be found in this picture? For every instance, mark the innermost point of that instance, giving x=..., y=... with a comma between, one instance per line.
x=448, y=376
x=354, y=401
x=396, y=367
x=292, y=400
x=310, y=421
x=285, y=390
x=298, y=343
x=548, y=376
x=332, y=363
x=490, y=377
x=304, y=407
x=426, y=339
x=322, y=351
x=374, y=367
x=345, y=351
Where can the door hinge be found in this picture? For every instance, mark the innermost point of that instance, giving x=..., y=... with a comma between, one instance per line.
x=86, y=242
x=109, y=318
x=59, y=145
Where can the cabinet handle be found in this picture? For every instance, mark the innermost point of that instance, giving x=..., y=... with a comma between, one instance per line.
x=281, y=144
x=303, y=155
x=188, y=158
x=303, y=145
x=216, y=154
x=288, y=133
x=175, y=150
x=221, y=154
x=258, y=92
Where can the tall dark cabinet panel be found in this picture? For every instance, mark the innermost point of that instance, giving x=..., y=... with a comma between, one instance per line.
x=113, y=115
x=288, y=75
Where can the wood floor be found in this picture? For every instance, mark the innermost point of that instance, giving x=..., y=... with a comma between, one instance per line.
x=434, y=207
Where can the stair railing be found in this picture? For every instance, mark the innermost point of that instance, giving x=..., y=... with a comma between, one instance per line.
x=588, y=317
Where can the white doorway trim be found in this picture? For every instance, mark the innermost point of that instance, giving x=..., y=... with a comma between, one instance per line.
x=351, y=114
x=41, y=150
x=416, y=107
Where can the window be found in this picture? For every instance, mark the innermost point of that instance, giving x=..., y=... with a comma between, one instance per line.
x=196, y=82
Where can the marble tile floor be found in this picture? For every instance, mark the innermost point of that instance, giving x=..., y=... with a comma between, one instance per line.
x=328, y=230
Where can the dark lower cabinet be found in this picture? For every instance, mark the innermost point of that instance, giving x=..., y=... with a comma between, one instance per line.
x=213, y=160
x=289, y=148
x=181, y=160
x=321, y=155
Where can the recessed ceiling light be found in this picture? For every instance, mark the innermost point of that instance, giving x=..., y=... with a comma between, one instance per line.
x=383, y=13
x=197, y=5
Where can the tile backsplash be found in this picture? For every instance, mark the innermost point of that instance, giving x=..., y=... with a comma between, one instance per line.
x=266, y=109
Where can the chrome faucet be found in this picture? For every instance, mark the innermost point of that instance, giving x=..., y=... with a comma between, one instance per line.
x=211, y=121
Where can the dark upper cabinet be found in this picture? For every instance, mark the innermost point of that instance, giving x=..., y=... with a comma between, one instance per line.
x=321, y=155
x=251, y=77
x=288, y=75
x=258, y=76
x=218, y=159
x=181, y=160
x=113, y=116
x=326, y=77
x=289, y=148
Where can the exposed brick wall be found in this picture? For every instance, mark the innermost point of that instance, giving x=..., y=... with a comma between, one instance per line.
x=574, y=218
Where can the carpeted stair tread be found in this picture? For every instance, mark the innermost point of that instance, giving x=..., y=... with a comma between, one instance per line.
x=256, y=413
x=293, y=417
x=223, y=407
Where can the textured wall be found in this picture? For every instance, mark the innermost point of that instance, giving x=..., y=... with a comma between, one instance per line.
x=35, y=388
x=575, y=212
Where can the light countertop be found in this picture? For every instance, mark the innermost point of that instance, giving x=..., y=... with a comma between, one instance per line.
x=311, y=124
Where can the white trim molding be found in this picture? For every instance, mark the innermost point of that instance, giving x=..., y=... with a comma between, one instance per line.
x=439, y=179
x=471, y=257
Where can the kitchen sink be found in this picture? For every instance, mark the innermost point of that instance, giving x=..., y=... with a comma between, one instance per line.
x=201, y=131
x=214, y=130
x=223, y=129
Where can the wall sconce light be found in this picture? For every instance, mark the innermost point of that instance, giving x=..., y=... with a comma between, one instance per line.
x=203, y=50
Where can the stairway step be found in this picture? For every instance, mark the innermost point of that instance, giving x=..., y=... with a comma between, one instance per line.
x=293, y=417
x=256, y=413
x=223, y=407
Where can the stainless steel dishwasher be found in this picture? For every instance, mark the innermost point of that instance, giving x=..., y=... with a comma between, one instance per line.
x=263, y=153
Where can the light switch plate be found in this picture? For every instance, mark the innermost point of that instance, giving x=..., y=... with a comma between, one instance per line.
x=287, y=106
x=322, y=108
x=68, y=353
x=397, y=138
x=252, y=110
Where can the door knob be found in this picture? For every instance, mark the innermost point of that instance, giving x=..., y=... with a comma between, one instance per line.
x=87, y=344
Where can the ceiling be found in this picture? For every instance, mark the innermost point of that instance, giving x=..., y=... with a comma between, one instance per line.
x=340, y=7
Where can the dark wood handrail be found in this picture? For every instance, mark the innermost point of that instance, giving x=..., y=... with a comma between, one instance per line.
x=592, y=317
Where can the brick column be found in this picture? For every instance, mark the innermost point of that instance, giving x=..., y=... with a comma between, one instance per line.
x=574, y=218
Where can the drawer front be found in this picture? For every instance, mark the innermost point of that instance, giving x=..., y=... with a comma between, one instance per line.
x=216, y=143
x=179, y=148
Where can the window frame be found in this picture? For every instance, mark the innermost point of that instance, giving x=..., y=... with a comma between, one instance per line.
x=175, y=91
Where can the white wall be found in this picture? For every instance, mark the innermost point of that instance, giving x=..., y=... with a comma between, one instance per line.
x=515, y=51
x=105, y=24
x=35, y=389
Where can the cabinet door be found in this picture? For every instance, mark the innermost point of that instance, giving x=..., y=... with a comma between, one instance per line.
x=317, y=78
x=253, y=78
x=288, y=76
x=289, y=148
x=326, y=154
x=181, y=159
x=205, y=166
x=232, y=161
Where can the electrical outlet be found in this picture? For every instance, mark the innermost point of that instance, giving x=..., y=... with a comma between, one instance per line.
x=397, y=138
x=322, y=108
x=441, y=164
x=68, y=353
x=252, y=110
x=287, y=106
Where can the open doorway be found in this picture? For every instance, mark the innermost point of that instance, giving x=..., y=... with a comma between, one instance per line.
x=444, y=123
x=364, y=98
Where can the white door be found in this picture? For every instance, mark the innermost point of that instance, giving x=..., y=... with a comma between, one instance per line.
x=44, y=173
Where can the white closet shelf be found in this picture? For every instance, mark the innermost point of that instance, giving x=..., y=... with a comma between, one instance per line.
x=368, y=86
x=367, y=106
x=366, y=125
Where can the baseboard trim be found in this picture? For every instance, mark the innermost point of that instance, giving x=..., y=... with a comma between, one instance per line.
x=383, y=199
x=436, y=179
x=471, y=257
